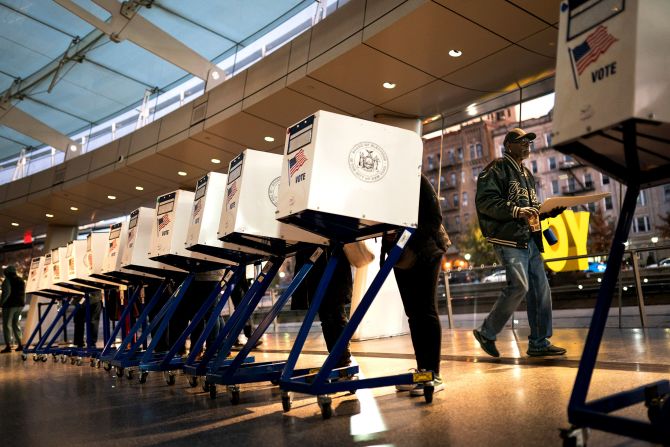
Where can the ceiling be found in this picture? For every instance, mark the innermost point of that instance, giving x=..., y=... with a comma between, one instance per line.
x=339, y=65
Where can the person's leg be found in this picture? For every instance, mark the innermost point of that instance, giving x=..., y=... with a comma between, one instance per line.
x=417, y=288
x=332, y=312
x=15, y=314
x=79, y=326
x=515, y=261
x=96, y=310
x=5, y=330
x=538, y=301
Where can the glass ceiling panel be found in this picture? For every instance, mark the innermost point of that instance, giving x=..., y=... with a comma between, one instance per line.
x=58, y=120
x=235, y=19
x=206, y=43
x=11, y=143
x=11, y=134
x=136, y=63
x=5, y=79
x=51, y=14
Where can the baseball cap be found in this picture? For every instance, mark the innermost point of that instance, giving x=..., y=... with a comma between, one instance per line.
x=516, y=134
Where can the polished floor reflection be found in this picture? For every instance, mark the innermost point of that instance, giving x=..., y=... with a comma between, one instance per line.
x=509, y=401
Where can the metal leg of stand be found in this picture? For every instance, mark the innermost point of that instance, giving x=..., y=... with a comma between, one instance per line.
x=638, y=290
x=38, y=328
x=122, y=319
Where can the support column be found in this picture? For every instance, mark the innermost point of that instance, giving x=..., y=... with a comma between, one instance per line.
x=386, y=316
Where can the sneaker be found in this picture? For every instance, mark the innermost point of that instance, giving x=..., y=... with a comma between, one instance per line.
x=407, y=386
x=547, y=350
x=418, y=390
x=489, y=346
x=7, y=349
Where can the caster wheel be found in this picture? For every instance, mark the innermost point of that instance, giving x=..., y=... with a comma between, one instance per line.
x=91, y=363
x=274, y=382
x=286, y=401
x=235, y=396
x=34, y=357
x=212, y=391
x=119, y=372
x=169, y=378
x=44, y=358
x=97, y=364
x=326, y=405
x=54, y=358
x=107, y=367
x=63, y=359
x=129, y=374
x=192, y=381
x=24, y=357
x=72, y=360
x=78, y=361
x=575, y=437
x=205, y=386
x=143, y=377
x=428, y=391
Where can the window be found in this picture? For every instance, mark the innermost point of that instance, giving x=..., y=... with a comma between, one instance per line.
x=479, y=150
x=472, y=152
x=606, y=179
x=554, y=187
x=459, y=153
x=475, y=172
x=588, y=180
x=552, y=163
x=465, y=198
x=432, y=181
x=641, y=224
x=547, y=139
x=569, y=159
x=642, y=198
x=452, y=179
x=571, y=184
x=455, y=200
x=443, y=182
x=592, y=207
x=666, y=192
x=452, y=160
x=608, y=203
x=533, y=166
x=457, y=220
x=430, y=162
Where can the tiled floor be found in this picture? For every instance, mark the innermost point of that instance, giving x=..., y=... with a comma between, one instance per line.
x=487, y=402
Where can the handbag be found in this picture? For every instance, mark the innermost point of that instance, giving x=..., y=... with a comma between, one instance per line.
x=358, y=254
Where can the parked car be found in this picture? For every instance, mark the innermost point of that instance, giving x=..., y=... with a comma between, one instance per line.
x=662, y=263
x=498, y=276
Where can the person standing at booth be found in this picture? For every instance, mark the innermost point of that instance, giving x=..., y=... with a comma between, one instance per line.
x=12, y=301
x=417, y=273
x=509, y=217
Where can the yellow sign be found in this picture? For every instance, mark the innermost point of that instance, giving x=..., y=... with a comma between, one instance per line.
x=571, y=230
x=422, y=377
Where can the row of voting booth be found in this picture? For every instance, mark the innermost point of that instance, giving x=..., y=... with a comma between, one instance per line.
x=339, y=180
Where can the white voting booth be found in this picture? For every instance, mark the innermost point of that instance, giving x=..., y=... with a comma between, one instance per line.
x=170, y=229
x=351, y=179
x=206, y=212
x=35, y=273
x=59, y=271
x=250, y=206
x=33, y=281
x=115, y=246
x=612, y=67
x=135, y=255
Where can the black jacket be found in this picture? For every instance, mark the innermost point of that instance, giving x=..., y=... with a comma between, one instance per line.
x=15, y=289
x=503, y=187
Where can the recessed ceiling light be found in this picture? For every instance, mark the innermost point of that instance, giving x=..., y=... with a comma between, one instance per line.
x=49, y=215
x=216, y=161
x=74, y=208
x=455, y=53
x=110, y=197
x=73, y=147
x=388, y=85
x=139, y=188
x=182, y=173
x=215, y=75
x=15, y=224
x=269, y=139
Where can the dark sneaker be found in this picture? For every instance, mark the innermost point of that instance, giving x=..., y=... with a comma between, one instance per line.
x=7, y=349
x=547, y=350
x=489, y=346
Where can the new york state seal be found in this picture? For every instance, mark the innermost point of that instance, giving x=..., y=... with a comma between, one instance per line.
x=368, y=161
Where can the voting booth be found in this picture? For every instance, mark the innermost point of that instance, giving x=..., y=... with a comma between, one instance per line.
x=115, y=245
x=349, y=179
x=170, y=228
x=36, y=268
x=249, y=212
x=612, y=112
x=135, y=255
x=59, y=271
x=206, y=213
x=611, y=75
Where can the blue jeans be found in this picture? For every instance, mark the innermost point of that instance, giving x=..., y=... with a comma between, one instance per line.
x=526, y=278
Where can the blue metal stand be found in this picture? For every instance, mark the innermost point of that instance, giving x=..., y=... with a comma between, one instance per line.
x=48, y=348
x=238, y=371
x=596, y=414
x=106, y=350
x=27, y=350
x=325, y=380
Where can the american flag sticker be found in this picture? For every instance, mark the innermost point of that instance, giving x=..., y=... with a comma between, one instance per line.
x=163, y=221
x=596, y=44
x=296, y=162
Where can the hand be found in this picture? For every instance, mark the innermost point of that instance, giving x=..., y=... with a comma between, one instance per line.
x=553, y=212
x=527, y=212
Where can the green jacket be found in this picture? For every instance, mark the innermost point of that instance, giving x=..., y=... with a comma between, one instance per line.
x=503, y=187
